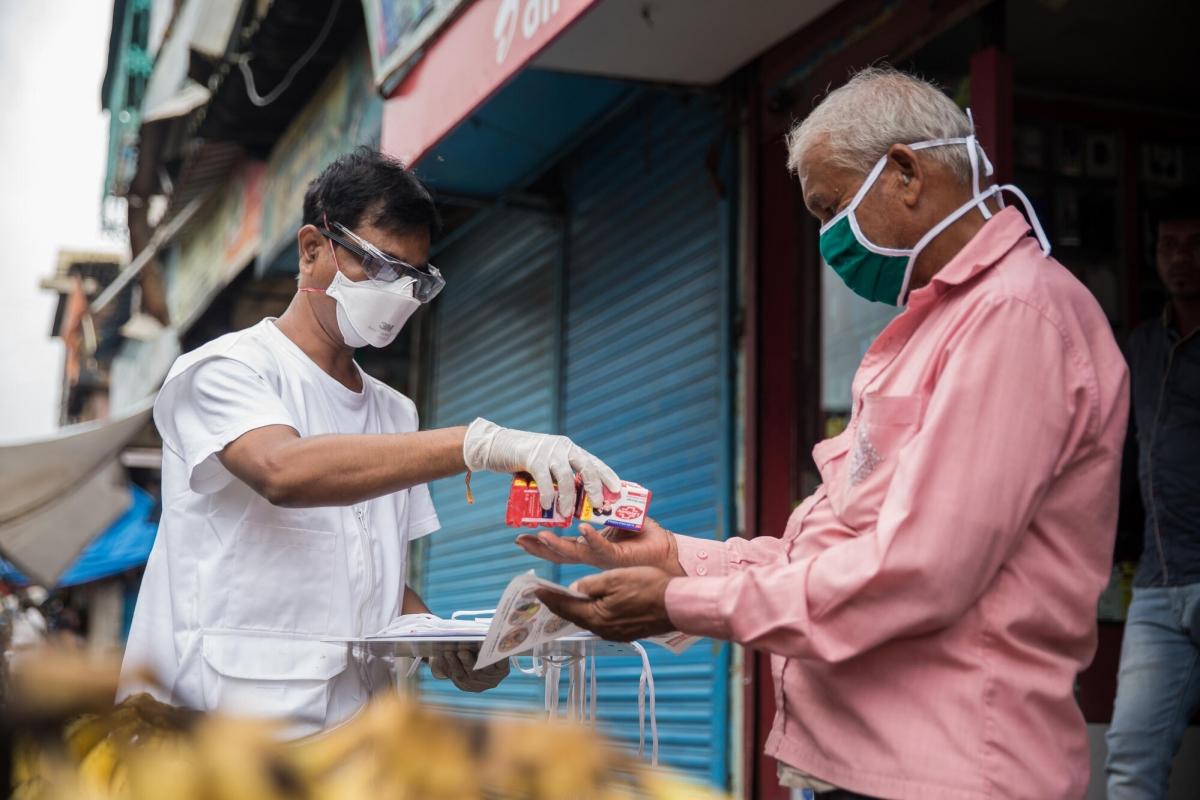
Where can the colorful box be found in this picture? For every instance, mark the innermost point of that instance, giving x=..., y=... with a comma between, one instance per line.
x=625, y=509
x=525, y=506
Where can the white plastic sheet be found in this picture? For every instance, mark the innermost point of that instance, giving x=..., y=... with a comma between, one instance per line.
x=59, y=493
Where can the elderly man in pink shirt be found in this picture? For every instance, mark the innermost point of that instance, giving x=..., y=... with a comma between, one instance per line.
x=928, y=608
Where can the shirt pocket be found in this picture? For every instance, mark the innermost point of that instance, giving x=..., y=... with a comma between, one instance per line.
x=271, y=678
x=280, y=579
x=885, y=424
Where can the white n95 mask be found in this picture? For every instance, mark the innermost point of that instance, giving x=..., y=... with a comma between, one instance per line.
x=372, y=312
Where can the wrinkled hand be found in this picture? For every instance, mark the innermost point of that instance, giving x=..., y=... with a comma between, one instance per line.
x=456, y=665
x=549, y=459
x=625, y=604
x=609, y=548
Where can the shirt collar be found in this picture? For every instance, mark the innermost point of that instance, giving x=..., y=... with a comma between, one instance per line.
x=986, y=248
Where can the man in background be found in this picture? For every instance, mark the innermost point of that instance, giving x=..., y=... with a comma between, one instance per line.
x=1159, y=684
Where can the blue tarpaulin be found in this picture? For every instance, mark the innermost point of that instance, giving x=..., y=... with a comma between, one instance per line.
x=125, y=545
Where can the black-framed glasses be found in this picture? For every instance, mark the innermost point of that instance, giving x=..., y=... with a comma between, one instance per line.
x=381, y=267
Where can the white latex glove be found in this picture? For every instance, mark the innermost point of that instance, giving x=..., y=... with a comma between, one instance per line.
x=457, y=666
x=547, y=458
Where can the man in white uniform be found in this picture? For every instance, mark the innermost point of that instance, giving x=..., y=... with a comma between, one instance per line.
x=293, y=482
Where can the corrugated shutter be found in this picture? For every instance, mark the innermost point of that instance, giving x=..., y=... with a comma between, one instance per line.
x=646, y=380
x=496, y=355
x=641, y=378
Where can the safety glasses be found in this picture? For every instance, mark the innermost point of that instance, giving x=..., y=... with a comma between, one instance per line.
x=382, y=267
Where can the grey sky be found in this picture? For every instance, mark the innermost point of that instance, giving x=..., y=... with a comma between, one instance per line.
x=52, y=140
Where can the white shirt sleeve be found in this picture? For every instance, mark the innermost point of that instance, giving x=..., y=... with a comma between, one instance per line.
x=422, y=517
x=210, y=405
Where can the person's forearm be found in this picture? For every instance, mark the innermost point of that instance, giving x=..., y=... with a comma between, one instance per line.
x=412, y=603
x=338, y=470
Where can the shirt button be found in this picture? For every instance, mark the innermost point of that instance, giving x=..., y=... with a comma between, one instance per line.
x=701, y=570
x=702, y=554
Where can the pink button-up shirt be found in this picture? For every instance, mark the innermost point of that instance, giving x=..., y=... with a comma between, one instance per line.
x=929, y=607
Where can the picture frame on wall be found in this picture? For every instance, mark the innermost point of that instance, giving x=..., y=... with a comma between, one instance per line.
x=1029, y=145
x=1162, y=164
x=1101, y=154
x=1069, y=155
x=1067, y=229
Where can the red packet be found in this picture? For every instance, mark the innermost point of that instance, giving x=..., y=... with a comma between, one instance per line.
x=525, y=506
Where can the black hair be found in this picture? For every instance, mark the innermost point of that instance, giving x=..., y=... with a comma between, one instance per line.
x=365, y=186
x=1175, y=207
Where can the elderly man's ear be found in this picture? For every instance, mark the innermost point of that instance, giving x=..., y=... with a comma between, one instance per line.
x=908, y=174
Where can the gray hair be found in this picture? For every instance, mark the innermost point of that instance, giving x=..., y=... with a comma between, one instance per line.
x=879, y=107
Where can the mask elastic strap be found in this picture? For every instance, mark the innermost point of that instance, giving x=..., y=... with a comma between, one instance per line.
x=1029, y=212
x=859, y=195
x=976, y=153
x=592, y=669
x=413, y=667
x=878, y=168
x=934, y=231
x=973, y=155
x=553, y=671
x=928, y=143
x=536, y=666
x=646, y=684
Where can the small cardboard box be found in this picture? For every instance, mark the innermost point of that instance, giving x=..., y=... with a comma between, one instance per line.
x=625, y=509
x=525, y=506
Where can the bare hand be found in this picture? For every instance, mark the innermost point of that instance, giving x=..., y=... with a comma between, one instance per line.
x=624, y=604
x=456, y=665
x=609, y=548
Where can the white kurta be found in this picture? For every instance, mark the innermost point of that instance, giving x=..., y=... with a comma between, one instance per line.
x=238, y=593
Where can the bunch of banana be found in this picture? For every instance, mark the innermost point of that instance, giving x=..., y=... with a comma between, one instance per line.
x=546, y=760
x=394, y=749
x=89, y=760
x=144, y=750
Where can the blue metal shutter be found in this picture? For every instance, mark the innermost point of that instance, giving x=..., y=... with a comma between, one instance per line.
x=496, y=356
x=647, y=378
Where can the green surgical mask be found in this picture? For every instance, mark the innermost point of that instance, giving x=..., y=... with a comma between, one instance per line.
x=881, y=274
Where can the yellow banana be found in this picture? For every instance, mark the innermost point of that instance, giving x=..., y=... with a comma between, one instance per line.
x=165, y=769
x=661, y=785
x=83, y=733
x=96, y=769
x=244, y=760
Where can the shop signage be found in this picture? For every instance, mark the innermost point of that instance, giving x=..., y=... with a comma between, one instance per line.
x=397, y=30
x=486, y=45
x=218, y=244
x=343, y=114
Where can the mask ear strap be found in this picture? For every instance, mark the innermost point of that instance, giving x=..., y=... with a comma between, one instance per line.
x=977, y=154
x=858, y=196
x=868, y=183
x=934, y=231
x=973, y=154
x=1033, y=217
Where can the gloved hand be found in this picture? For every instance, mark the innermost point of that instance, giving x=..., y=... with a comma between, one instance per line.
x=547, y=458
x=457, y=666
